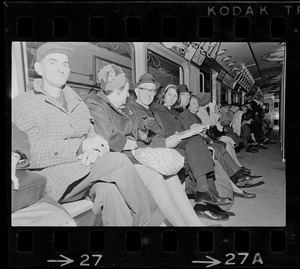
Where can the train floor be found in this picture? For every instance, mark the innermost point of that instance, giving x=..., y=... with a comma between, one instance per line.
x=269, y=206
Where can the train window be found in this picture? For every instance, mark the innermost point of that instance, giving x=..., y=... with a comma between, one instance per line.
x=164, y=70
x=276, y=104
x=207, y=81
x=224, y=96
x=87, y=60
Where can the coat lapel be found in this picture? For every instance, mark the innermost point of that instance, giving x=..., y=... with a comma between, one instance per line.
x=72, y=100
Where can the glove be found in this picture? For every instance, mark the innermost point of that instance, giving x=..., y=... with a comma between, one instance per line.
x=144, y=136
x=146, y=123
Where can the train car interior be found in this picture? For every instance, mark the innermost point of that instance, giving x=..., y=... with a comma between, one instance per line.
x=233, y=73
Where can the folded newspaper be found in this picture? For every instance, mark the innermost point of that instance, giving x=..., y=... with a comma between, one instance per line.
x=194, y=130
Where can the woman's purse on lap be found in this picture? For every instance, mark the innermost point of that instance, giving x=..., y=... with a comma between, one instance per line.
x=165, y=161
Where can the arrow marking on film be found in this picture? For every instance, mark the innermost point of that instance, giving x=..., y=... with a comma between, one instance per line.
x=212, y=261
x=64, y=262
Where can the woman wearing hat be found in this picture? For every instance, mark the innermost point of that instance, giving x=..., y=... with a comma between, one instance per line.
x=123, y=135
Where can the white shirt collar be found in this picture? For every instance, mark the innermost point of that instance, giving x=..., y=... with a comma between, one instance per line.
x=142, y=104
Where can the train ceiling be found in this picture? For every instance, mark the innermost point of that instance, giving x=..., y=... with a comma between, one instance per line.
x=263, y=60
x=252, y=65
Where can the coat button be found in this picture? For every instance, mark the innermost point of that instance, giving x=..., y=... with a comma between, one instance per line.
x=55, y=154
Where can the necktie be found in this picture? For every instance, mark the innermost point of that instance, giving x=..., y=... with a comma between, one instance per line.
x=208, y=110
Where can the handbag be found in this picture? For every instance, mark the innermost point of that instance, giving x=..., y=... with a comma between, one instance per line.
x=31, y=189
x=214, y=133
x=165, y=161
x=227, y=128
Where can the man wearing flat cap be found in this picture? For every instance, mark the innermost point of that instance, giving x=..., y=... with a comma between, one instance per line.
x=67, y=151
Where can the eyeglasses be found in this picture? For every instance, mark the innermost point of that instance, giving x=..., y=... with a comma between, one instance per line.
x=147, y=90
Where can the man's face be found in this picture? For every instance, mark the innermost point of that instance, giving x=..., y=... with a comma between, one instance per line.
x=185, y=99
x=225, y=109
x=244, y=109
x=54, y=68
x=145, y=93
x=194, y=105
x=217, y=109
x=234, y=109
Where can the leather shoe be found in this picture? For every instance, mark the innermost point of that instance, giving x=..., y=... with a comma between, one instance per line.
x=211, y=198
x=246, y=172
x=244, y=169
x=261, y=146
x=220, y=210
x=204, y=212
x=251, y=149
x=245, y=195
x=255, y=176
x=246, y=180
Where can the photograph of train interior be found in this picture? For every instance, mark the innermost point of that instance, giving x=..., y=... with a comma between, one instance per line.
x=235, y=93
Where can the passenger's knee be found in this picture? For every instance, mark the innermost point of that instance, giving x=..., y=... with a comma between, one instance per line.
x=158, y=178
x=120, y=157
x=104, y=189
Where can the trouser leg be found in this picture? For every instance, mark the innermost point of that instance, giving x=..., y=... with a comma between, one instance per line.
x=223, y=185
x=212, y=185
x=116, y=168
x=232, y=153
x=198, y=156
x=224, y=158
x=246, y=134
x=109, y=203
x=235, y=137
x=257, y=130
x=199, y=160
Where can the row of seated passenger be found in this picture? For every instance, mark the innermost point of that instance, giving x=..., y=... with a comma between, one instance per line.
x=84, y=148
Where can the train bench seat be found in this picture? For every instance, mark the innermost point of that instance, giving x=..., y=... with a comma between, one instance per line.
x=81, y=211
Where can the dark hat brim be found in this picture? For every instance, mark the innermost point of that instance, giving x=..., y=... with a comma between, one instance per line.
x=47, y=48
x=136, y=85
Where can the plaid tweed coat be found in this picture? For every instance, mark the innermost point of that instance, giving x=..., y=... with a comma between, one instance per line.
x=55, y=135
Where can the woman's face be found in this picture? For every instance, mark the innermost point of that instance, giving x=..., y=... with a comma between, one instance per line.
x=171, y=97
x=185, y=99
x=194, y=105
x=123, y=94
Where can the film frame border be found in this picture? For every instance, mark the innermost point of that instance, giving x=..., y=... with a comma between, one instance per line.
x=114, y=16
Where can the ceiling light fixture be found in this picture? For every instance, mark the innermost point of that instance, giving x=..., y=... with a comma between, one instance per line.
x=231, y=64
x=226, y=59
x=234, y=69
x=221, y=52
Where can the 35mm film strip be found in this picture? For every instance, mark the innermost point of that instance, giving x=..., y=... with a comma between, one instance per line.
x=167, y=21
